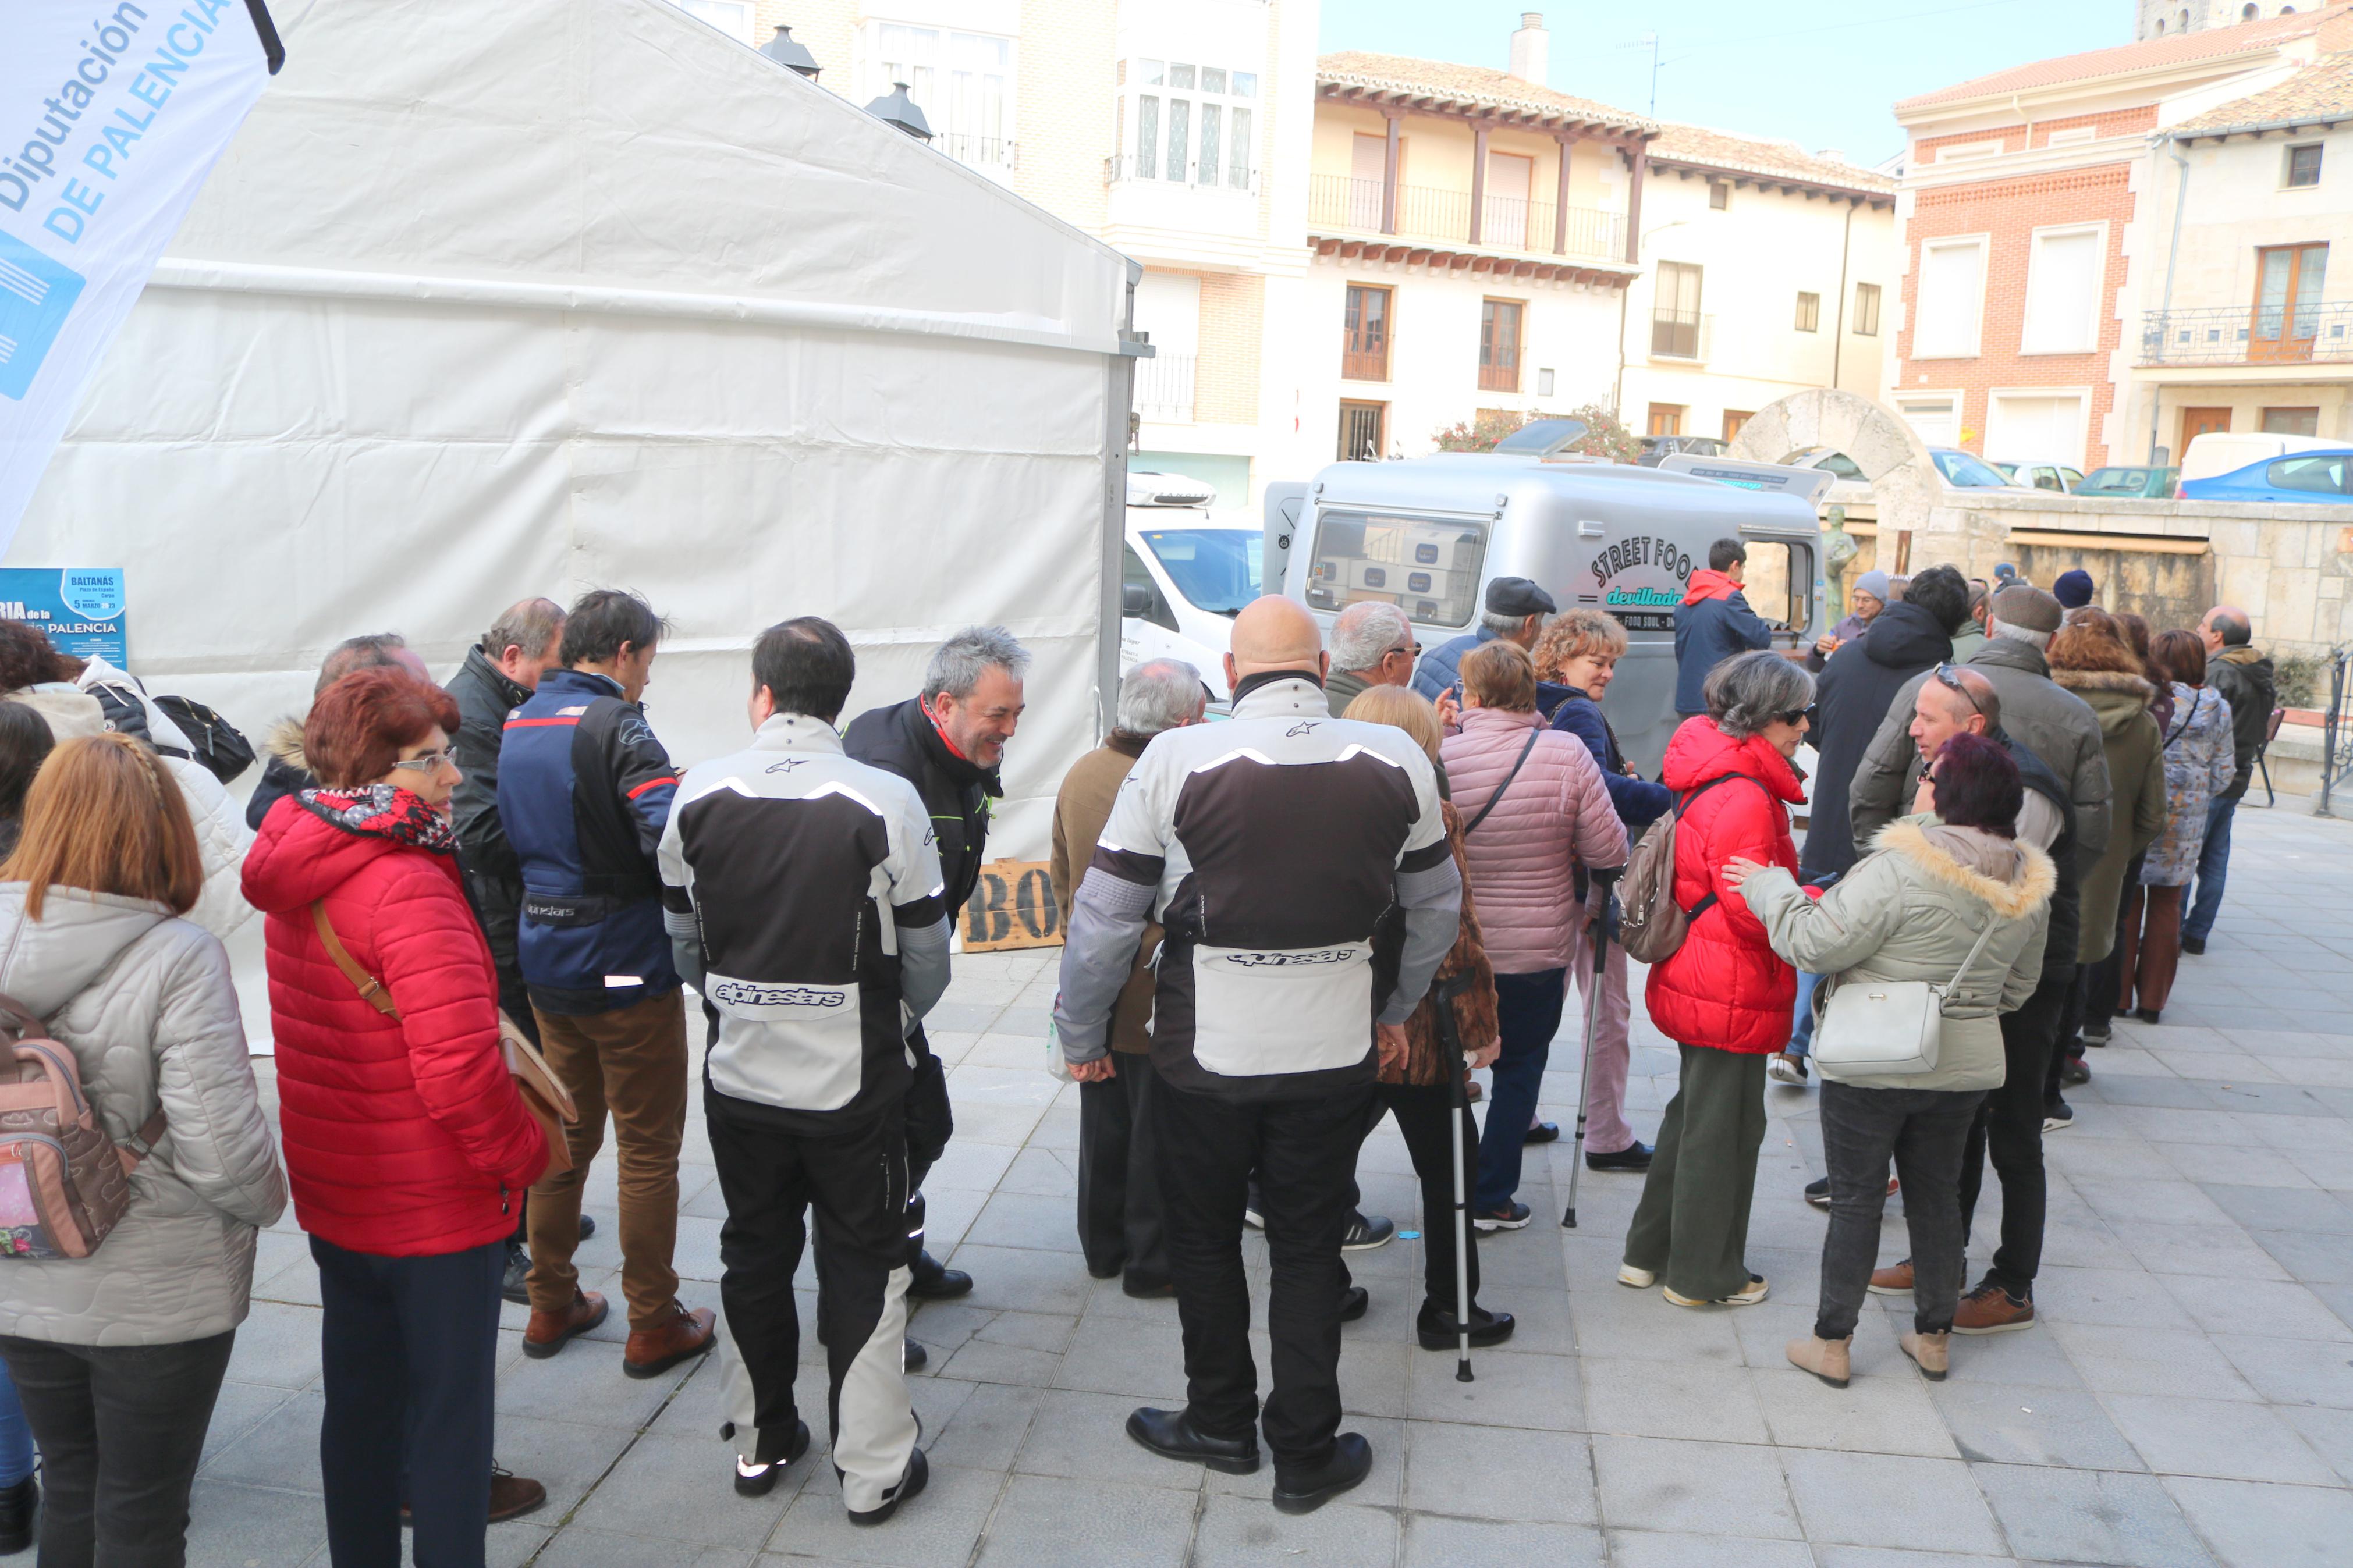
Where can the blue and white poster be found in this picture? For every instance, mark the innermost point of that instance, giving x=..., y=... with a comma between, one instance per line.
x=80, y=609
x=111, y=114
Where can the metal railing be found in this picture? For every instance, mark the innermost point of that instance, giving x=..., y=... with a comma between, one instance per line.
x=1433, y=213
x=1679, y=334
x=1164, y=388
x=978, y=152
x=2335, y=735
x=1121, y=168
x=2238, y=334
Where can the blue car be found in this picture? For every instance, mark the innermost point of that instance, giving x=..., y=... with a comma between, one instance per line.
x=2308, y=478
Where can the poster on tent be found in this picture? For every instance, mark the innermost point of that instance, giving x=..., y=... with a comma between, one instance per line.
x=111, y=114
x=80, y=609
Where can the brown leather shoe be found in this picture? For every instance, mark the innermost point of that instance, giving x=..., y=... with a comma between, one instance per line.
x=548, y=1332
x=511, y=1496
x=1990, y=1310
x=1896, y=1279
x=673, y=1339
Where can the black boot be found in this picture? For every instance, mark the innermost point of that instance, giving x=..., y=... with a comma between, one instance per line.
x=930, y=1281
x=1435, y=1327
x=1171, y=1434
x=18, y=1506
x=516, y=1287
x=1305, y=1491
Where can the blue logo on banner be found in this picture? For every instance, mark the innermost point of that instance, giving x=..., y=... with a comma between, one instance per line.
x=36, y=297
x=93, y=595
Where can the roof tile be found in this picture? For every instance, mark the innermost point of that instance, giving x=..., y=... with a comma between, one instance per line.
x=1700, y=146
x=1477, y=85
x=2323, y=90
x=2148, y=54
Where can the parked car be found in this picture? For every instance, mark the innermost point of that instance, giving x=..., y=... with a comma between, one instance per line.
x=2220, y=452
x=2308, y=478
x=1829, y=459
x=2056, y=476
x=1657, y=447
x=1967, y=471
x=2117, y=483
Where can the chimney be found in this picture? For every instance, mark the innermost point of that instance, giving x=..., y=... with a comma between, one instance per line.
x=1531, y=48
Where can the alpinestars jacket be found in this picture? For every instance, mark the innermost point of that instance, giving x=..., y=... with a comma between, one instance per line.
x=1270, y=848
x=801, y=890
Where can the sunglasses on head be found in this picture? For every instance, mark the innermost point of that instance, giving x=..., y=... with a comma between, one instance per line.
x=1949, y=677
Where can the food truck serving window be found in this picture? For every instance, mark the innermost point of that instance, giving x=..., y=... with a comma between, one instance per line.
x=1779, y=583
x=1427, y=568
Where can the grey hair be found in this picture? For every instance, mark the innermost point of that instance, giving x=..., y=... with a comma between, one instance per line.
x=532, y=626
x=958, y=663
x=369, y=651
x=1998, y=628
x=1502, y=625
x=1366, y=631
x=1747, y=693
x=1160, y=694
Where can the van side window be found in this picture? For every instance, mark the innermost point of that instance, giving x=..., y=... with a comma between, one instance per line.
x=1139, y=595
x=1427, y=568
x=1779, y=583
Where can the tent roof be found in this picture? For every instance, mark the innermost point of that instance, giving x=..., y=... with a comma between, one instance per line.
x=623, y=143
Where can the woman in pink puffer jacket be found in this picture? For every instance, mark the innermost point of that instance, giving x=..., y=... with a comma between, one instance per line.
x=1550, y=815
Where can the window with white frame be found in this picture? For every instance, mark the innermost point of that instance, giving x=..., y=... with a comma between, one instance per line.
x=1951, y=299
x=733, y=17
x=1191, y=125
x=962, y=82
x=2063, y=286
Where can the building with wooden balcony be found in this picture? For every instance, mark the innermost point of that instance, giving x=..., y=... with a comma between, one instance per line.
x=2105, y=254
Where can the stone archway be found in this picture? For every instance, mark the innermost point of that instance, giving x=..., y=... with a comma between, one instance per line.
x=1904, y=486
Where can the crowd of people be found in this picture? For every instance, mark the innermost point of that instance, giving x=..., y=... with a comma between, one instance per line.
x=485, y=902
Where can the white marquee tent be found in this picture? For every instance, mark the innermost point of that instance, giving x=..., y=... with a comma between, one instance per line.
x=493, y=297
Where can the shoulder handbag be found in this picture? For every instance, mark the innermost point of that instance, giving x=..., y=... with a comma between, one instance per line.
x=543, y=1094
x=1520, y=762
x=1890, y=1029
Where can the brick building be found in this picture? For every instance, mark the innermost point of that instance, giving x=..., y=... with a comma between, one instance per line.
x=2036, y=225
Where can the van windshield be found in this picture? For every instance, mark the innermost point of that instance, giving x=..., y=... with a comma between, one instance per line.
x=1215, y=568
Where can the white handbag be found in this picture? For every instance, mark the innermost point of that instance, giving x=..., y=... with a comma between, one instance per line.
x=1889, y=1028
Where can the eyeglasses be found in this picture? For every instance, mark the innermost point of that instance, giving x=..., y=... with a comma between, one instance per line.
x=1411, y=650
x=1950, y=679
x=431, y=763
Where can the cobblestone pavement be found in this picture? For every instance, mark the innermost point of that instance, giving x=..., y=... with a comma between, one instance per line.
x=2186, y=1399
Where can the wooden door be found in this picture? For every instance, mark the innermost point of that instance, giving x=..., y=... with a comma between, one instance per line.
x=2196, y=422
x=2288, y=281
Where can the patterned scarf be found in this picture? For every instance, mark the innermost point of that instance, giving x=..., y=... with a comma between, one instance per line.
x=385, y=810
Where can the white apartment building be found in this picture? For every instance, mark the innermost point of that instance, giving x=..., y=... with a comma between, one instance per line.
x=1175, y=130
x=1764, y=271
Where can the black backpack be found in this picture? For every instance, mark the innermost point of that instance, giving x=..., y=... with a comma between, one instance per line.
x=212, y=740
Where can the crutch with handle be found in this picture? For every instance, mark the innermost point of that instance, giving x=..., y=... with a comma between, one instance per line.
x=1605, y=879
x=1450, y=1039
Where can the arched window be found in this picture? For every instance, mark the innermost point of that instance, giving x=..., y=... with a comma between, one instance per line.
x=2182, y=24
x=2160, y=26
x=2249, y=12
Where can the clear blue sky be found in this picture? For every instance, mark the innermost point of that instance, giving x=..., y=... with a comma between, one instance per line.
x=1819, y=72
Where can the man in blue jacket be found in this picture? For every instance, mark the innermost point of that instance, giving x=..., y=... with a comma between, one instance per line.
x=1713, y=622
x=1516, y=612
x=584, y=793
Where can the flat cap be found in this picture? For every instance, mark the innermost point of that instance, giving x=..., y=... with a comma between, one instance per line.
x=1518, y=596
x=2026, y=608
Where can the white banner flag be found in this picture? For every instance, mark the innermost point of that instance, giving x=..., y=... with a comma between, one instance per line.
x=111, y=114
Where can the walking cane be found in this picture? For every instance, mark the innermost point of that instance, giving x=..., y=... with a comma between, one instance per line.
x=1451, y=1039
x=1604, y=880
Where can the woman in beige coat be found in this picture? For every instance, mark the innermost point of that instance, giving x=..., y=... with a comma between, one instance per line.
x=1912, y=909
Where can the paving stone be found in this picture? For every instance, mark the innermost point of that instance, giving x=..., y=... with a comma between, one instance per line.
x=1438, y=1541
x=2010, y=1424
x=1647, y=1549
x=2257, y=1525
x=1043, y=1521
x=1670, y=1399
x=581, y=1547
x=232, y=1526
x=1709, y=1488
x=2223, y=1438
x=1513, y=1389
x=1876, y=1500
x=1452, y=1469
x=1883, y=1409
x=2090, y=1516
x=2181, y=1362
x=940, y=1526
x=1236, y=1530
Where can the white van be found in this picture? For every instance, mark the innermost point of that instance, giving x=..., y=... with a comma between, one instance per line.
x=1185, y=572
x=2224, y=451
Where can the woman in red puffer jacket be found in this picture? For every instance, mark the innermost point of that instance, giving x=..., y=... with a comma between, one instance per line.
x=1722, y=996
x=407, y=1144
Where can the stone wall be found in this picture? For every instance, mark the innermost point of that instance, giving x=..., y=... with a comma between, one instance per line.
x=2289, y=565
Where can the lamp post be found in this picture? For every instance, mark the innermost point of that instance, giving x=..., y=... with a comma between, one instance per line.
x=899, y=110
x=791, y=56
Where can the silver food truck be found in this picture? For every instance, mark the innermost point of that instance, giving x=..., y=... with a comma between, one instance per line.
x=1429, y=533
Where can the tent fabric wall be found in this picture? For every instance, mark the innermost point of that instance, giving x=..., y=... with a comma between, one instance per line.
x=502, y=297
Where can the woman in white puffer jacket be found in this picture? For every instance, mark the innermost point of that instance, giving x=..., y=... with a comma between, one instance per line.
x=119, y=1356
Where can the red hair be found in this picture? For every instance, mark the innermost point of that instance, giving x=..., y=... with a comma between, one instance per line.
x=359, y=724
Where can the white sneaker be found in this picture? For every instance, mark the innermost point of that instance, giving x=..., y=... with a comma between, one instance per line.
x=1783, y=1067
x=1756, y=1291
x=1639, y=1279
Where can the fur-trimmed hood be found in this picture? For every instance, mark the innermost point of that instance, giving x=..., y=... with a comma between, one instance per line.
x=2116, y=697
x=2032, y=880
x=285, y=742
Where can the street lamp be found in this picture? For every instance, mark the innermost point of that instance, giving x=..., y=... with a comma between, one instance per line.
x=790, y=55
x=899, y=110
